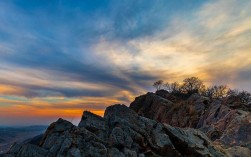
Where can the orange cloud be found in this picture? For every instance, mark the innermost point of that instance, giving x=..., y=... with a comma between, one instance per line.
x=10, y=90
x=26, y=110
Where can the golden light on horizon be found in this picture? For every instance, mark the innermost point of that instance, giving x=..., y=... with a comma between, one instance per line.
x=52, y=68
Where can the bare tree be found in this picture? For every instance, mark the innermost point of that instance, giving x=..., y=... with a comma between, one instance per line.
x=158, y=84
x=195, y=85
x=232, y=92
x=175, y=87
x=168, y=87
x=208, y=92
x=220, y=91
x=216, y=91
x=245, y=97
x=192, y=85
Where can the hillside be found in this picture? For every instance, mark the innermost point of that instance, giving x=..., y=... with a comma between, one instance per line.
x=9, y=135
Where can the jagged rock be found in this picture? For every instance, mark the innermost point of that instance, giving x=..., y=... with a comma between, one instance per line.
x=94, y=124
x=231, y=127
x=192, y=142
x=152, y=106
x=26, y=150
x=165, y=94
x=119, y=138
x=114, y=152
x=72, y=140
x=125, y=134
x=138, y=134
x=158, y=108
x=155, y=125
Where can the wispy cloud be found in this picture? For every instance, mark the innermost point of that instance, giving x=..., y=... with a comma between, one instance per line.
x=59, y=55
x=211, y=39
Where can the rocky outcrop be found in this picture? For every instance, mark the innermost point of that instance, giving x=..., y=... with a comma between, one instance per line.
x=156, y=125
x=230, y=127
x=238, y=102
x=26, y=150
x=158, y=108
x=121, y=132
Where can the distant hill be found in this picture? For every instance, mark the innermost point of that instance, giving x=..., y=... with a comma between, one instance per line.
x=9, y=135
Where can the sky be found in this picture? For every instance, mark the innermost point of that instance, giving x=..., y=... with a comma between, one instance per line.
x=60, y=57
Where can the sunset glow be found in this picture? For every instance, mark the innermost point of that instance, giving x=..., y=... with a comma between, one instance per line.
x=59, y=58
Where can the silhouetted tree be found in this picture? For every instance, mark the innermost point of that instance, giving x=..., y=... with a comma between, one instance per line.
x=244, y=96
x=158, y=84
x=220, y=91
x=192, y=85
x=167, y=85
x=216, y=91
x=208, y=92
x=232, y=92
x=176, y=88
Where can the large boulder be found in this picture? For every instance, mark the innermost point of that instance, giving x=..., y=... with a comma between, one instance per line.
x=138, y=134
x=94, y=124
x=159, y=108
x=193, y=142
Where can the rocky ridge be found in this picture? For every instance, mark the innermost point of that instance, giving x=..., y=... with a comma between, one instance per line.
x=151, y=127
x=228, y=126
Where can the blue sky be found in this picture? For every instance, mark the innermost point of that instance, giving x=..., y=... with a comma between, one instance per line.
x=59, y=55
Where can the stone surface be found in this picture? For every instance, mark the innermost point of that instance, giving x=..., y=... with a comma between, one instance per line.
x=159, y=108
x=231, y=127
x=124, y=134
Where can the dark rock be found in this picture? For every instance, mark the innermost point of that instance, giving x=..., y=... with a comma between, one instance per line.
x=160, y=109
x=35, y=140
x=94, y=124
x=165, y=94
x=236, y=102
x=136, y=133
x=152, y=106
x=26, y=150
x=231, y=127
x=125, y=134
x=192, y=142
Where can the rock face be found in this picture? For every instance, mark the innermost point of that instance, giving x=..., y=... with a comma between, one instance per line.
x=158, y=108
x=121, y=133
x=230, y=127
